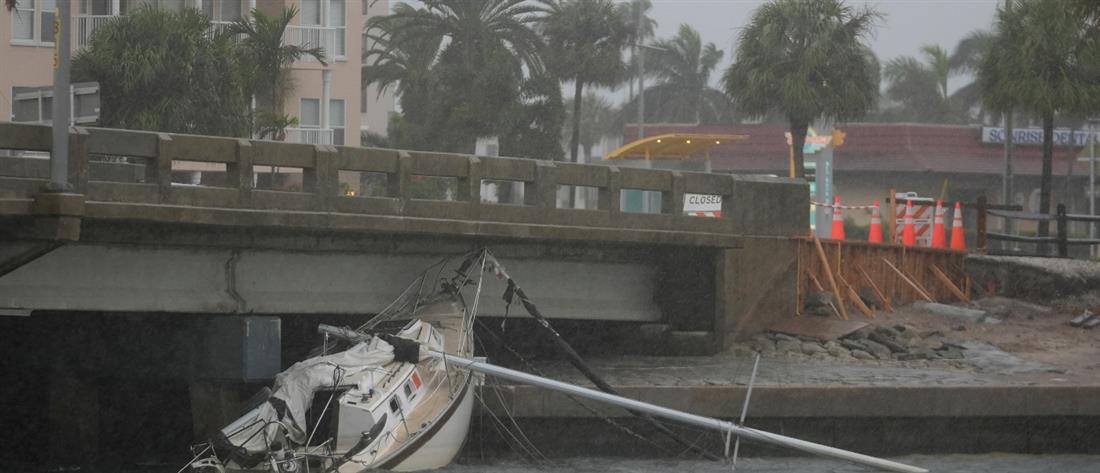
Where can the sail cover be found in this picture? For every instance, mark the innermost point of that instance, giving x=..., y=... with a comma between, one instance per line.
x=295, y=387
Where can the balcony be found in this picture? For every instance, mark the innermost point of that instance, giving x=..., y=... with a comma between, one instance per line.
x=312, y=136
x=86, y=26
x=328, y=38
x=324, y=37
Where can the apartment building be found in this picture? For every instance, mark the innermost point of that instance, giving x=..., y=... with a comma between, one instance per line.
x=328, y=99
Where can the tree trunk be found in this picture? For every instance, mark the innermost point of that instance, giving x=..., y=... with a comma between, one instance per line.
x=798, y=141
x=1048, y=168
x=575, y=141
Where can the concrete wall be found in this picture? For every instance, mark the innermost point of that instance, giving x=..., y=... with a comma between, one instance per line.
x=95, y=277
x=756, y=286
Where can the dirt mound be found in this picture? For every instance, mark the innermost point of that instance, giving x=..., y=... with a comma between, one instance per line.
x=1034, y=279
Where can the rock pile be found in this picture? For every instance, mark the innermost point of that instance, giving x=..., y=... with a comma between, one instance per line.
x=900, y=342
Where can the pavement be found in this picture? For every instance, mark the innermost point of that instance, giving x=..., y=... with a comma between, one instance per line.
x=984, y=365
x=987, y=463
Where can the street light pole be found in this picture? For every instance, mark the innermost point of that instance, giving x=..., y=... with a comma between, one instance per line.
x=1092, y=182
x=59, y=150
x=1006, y=182
x=640, y=49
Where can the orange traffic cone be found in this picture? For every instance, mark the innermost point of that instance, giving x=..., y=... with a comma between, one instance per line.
x=939, y=234
x=958, y=238
x=876, y=224
x=838, y=222
x=909, y=234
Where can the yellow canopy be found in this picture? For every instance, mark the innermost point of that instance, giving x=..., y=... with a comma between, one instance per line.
x=672, y=146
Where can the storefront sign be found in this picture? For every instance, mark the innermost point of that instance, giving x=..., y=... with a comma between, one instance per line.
x=1034, y=136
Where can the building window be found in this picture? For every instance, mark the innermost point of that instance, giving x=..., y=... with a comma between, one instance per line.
x=336, y=120
x=309, y=114
x=168, y=5
x=32, y=22
x=96, y=7
x=337, y=20
x=311, y=13
x=222, y=10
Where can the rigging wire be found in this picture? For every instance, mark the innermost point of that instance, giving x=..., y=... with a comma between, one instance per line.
x=534, y=369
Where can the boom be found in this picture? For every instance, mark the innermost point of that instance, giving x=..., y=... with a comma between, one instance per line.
x=675, y=415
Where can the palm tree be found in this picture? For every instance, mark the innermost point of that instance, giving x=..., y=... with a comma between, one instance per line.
x=584, y=40
x=921, y=87
x=1043, y=60
x=264, y=50
x=402, y=61
x=683, y=66
x=640, y=28
x=459, y=66
x=597, y=121
x=967, y=59
x=472, y=27
x=806, y=59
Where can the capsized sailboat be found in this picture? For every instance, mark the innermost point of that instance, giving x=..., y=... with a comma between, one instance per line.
x=403, y=401
x=371, y=398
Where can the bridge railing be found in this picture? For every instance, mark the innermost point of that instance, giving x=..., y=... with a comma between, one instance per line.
x=135, y=167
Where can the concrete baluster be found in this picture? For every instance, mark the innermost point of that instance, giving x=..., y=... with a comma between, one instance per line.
x=672, y=200
x=544, y=196
x=78, y=160
x=611, y=195
x=404, y=179
x=469, y=188
x=162, y=167
x=326, y=177
x=241, y=173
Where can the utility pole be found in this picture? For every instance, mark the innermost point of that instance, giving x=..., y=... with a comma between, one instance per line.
x=59, y=151
x=1006, y=180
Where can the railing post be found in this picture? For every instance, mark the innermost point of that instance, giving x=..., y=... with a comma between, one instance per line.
x=611, y=195
x=469, y=188
x=544, y=196
x=325, y=177
x=403, y=179
x=78, y=160
x=1063, y=230
x=162, y=172
x=241, y=172
x=672, y=202
x=979, y=237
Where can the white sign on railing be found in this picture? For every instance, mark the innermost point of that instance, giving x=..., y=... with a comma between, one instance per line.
x=1034, y=136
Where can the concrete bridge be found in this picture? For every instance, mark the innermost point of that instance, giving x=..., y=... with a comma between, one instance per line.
x=130, y=238
x=154, y=302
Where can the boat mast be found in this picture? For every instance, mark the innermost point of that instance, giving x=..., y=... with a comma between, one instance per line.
x=675, y=415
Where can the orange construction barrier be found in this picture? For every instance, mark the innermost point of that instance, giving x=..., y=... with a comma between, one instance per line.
x=876, y=224
x=908, y=234
x=838, y=222
x=939, y=233
x=958, y=238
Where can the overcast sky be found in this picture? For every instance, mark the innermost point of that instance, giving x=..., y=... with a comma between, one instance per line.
x=907, y=25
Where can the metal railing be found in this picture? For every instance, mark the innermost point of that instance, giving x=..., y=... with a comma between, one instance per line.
x=309, y=37
x=310, y=136
x=86, y=26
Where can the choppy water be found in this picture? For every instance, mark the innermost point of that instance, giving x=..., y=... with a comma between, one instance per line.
x=987, y=463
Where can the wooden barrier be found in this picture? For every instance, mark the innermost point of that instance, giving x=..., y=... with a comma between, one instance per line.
x=895, y=275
